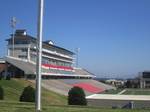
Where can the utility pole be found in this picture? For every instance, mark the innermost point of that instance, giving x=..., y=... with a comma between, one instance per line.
x=39, y=55
x=13, y=25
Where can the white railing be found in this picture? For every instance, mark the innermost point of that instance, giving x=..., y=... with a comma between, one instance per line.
x=58, y=74
x=57, y=58
x=44, y=50
x=56, y=53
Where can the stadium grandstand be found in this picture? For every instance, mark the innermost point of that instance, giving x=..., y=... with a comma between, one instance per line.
x=57, y=65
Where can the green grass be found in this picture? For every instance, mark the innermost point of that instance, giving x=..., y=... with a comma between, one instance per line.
x=137, y=92
x=129, y=91
x=29, y=107
x=14, y=87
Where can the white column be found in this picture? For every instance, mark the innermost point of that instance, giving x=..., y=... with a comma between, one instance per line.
x=8, y=51
x=141, y=83
x=144, y=83
x=28, y=53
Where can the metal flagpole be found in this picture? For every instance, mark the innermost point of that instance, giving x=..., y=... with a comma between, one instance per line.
x=39, y=56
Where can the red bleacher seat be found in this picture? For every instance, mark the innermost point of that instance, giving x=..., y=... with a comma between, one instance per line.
x=89, y=87
x=57, y=67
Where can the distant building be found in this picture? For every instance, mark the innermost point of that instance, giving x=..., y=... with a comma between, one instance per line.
x=115, y=82
x=144, y=78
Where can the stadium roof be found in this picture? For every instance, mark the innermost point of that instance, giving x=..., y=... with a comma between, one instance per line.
x=21, y=34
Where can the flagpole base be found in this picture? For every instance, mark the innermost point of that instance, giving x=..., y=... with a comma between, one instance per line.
x=38, y=111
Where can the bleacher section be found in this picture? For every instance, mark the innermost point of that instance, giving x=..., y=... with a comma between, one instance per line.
x=30, y=68
x=81, y=71
x=55, y=85
x=27, y=67
x=62, y=86
x=89, y=87
x=89, y=81
x=77, y=77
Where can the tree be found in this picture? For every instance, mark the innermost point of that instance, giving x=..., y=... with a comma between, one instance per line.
x=28, y=94
x=76, y=96
x=128, y=84
x=1, y=93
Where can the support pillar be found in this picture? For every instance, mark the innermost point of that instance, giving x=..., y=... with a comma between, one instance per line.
x=144, y=84
x=28, y=53
x=8, y=51
x=141, y=84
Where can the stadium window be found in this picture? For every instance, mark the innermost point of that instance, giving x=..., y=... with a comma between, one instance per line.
x=24, y=50
x=22, y=56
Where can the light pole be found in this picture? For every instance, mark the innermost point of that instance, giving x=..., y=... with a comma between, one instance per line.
x=77, y=57
x=13, y=25
x=39, y=55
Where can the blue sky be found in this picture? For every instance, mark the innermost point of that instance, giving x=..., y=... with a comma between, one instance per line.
x=113, y=35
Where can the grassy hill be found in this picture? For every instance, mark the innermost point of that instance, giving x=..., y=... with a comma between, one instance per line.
x=51, y=102
x=14, y=87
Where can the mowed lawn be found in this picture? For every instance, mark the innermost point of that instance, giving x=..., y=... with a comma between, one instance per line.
x=14, y=87
x=29, y=107
x=137, y=92
x=132, y=91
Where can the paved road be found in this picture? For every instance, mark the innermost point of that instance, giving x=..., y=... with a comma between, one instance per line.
x=109, y=100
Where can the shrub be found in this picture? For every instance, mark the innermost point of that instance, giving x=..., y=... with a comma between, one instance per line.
x=28, y=94
x=1, y=93
x=1, y=77
x=8, y=77
x=76, y=96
